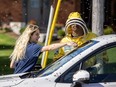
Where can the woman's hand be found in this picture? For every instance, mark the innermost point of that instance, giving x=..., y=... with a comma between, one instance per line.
x=72, y=44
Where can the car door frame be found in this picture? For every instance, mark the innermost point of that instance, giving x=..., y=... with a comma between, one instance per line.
x=59, y=81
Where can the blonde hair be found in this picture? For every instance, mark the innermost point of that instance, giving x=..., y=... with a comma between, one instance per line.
x=22, y=42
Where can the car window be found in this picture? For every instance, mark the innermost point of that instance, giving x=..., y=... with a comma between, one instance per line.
x=68, y=75
x=102, y=66
x=59, y=63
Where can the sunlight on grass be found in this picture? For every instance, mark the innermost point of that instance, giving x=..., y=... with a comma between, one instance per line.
x=5, y=52
x=6, y=47
x=6, y=39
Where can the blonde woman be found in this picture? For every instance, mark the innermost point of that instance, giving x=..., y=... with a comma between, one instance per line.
x=26, y=51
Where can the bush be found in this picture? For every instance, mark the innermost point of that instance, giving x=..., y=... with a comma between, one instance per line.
x=6, y=29
x=108, y=30
x=21, y=30
x=61, y=33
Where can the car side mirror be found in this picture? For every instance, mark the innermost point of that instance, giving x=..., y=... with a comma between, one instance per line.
x=81, y=76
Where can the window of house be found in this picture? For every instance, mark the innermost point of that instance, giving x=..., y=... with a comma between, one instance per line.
x=34, y=3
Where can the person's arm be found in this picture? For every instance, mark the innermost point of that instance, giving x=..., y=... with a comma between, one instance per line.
x=57, y=45
x=12, y=64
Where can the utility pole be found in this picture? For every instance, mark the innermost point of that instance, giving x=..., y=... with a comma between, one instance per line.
x=97, y=16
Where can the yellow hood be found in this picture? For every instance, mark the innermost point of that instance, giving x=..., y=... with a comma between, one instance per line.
x=75, y=18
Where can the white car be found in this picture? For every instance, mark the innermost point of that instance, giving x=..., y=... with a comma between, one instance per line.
x=92, y=65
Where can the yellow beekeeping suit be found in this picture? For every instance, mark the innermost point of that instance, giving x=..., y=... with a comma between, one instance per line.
x=74, y=18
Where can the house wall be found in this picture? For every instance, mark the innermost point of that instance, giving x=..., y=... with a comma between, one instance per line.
x=10, y=10
x=24, y=10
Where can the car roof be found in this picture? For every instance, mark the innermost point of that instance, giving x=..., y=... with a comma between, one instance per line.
x=107, y=38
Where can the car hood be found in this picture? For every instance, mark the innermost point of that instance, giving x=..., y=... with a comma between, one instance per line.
x=10, y=80
x=15, y=80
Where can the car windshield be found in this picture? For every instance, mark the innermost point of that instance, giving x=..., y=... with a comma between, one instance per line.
x=56, y=65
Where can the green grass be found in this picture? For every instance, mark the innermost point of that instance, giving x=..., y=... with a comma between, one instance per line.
x=6, y=40
x=112, y=55
x=6, y=52
x=6, y=47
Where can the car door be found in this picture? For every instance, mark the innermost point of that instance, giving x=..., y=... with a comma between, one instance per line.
x=65, y=80
x=102, y=67
x=101, y=64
